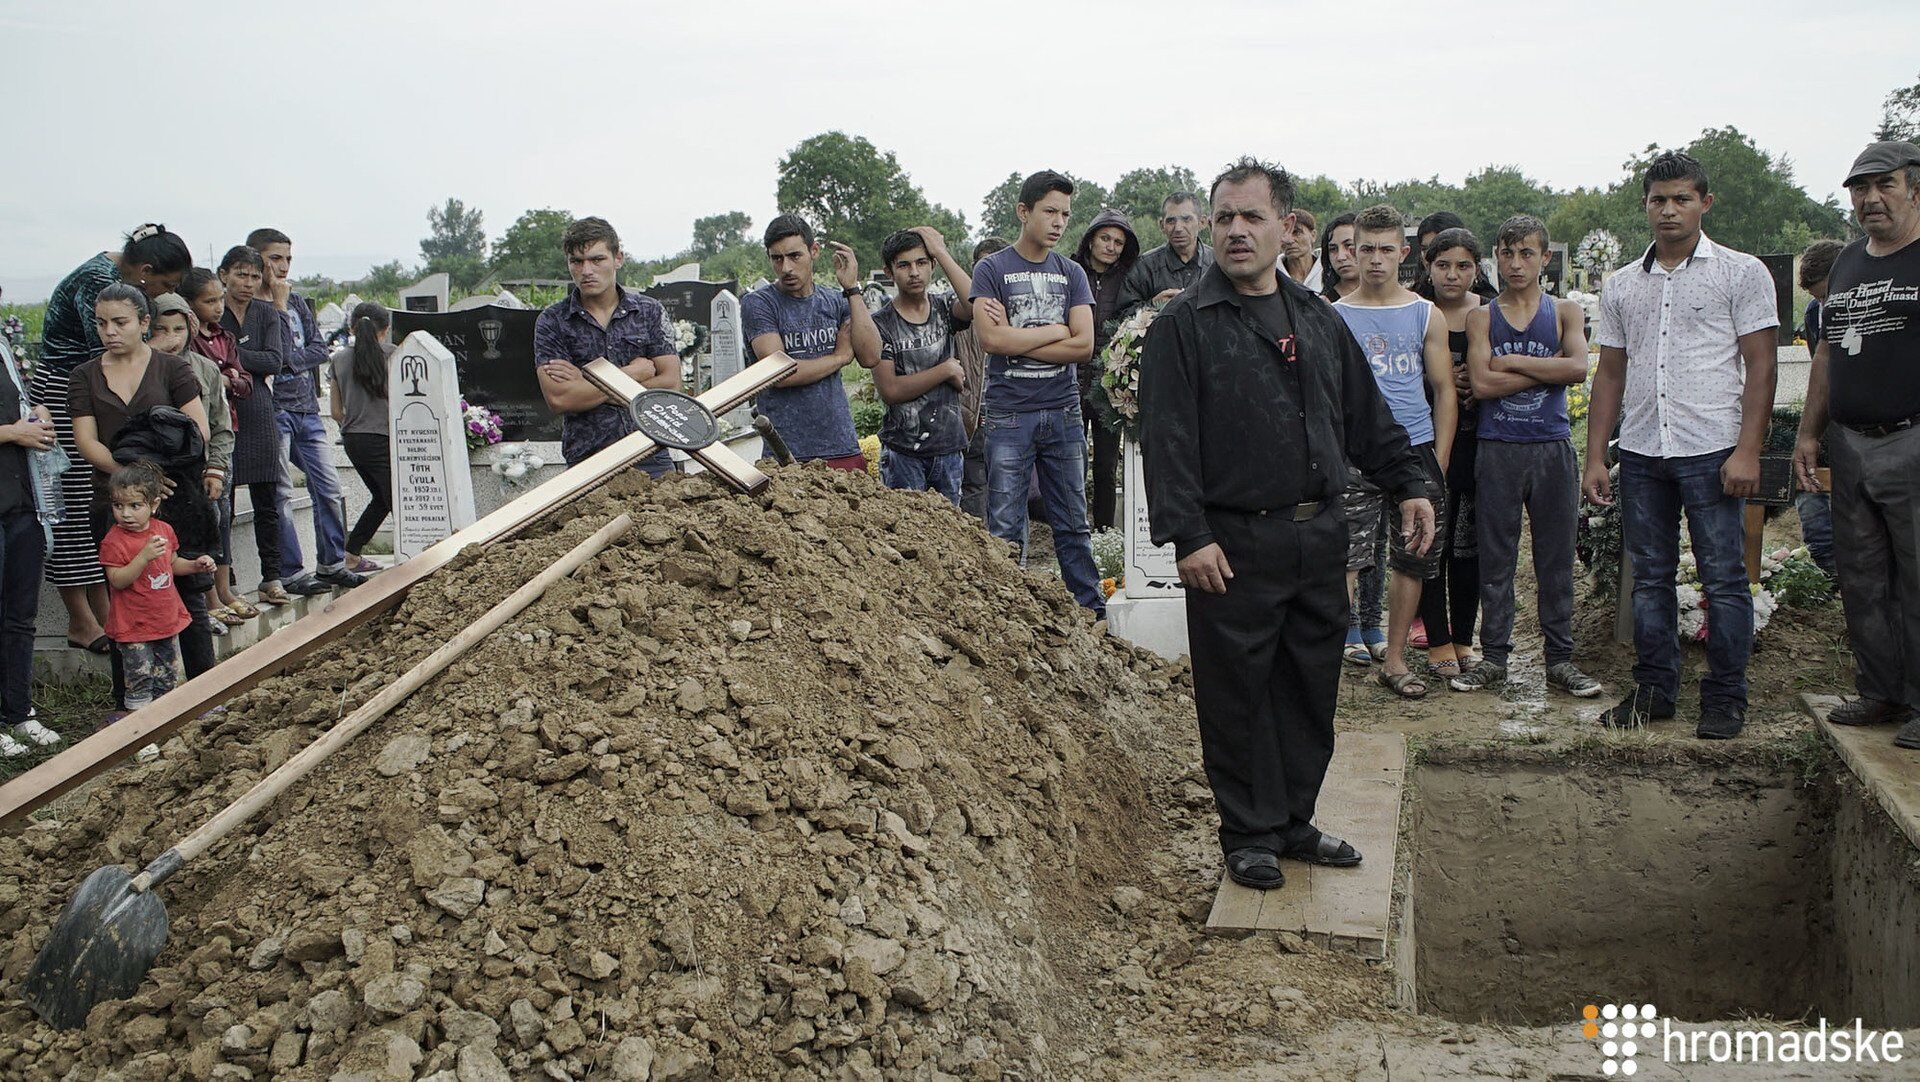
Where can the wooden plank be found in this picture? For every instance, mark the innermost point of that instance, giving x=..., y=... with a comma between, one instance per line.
x=154, y=723
x=1347, y=908
x=1886, y=771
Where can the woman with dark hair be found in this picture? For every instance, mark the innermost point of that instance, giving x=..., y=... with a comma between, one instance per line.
x=260, y=342
x=107, y=394
x=153, y=260
x=359, y=407
x=1452, y=265
x=1108, y=250
x=1341, y=269
x=1430, y=227
x=29, y=505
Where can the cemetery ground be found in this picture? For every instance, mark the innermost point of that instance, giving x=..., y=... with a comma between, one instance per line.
x=820, y=784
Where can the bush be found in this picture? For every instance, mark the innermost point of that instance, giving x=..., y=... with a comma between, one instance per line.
x=867, y=416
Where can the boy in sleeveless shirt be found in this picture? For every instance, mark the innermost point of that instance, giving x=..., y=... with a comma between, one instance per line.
x=1405, y=342
x=1523, y=351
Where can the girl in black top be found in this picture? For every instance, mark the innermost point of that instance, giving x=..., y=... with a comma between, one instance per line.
x=1452, y=262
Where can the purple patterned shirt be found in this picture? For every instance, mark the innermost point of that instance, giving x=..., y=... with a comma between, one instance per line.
x=565, y=332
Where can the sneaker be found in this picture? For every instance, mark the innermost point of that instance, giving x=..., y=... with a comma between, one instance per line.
x=1482, y=676
x=1641, y=706
x=340, y=577
x=1567, y=677
x=11, y=748
x=306, y=586
x=1417, y=635
x=1720, y=723
x=274, y=595
x=1865, y=711
x=31, y=729
x=1909, y=735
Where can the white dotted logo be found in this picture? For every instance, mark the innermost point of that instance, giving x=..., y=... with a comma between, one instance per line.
x=1619, y=1028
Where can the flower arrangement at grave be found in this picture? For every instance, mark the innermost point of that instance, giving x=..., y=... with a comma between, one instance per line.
x=515, y=463
x=689, y=338
x=1110, y=556
x=1117, y=397
x=16, y=334
x=482, y=424
x=1580, y=399
x=1694, y=602
x=870, y=450
x=1597, y=253
x=1597, y=541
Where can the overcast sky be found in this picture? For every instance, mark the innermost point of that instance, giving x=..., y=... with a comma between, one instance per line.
x=343, y=123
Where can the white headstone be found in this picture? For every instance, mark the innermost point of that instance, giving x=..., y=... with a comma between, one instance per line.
x=685, y=272
x=1152, y=570
x=432, y=488
x=729, y=348
x=429, y=294
x=330, y=317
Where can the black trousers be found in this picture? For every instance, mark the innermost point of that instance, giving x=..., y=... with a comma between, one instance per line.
x=372, y=460
x=1266, y=672
x=266, y=529
x=1104, y=454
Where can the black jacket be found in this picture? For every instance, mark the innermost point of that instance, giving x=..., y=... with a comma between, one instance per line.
x=1106, y=287
x=171, y=440
x=1234, y=420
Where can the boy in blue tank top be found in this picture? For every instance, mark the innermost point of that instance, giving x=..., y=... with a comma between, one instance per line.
x=1523, y=351
x=1405, y=342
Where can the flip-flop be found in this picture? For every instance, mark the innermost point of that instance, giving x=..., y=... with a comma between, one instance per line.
x=101, y=645
x=1397, y=683
x=242, y=609
x=1256, y=868
x=1356, y=651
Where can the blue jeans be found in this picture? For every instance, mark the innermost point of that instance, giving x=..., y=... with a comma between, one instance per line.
x=1653, y=491
x=303, y=440
x=1055, y=441
x=923, y=473
x=23, y=553
x=1816, y=528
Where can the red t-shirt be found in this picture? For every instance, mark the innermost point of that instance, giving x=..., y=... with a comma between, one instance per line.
x=150, y=609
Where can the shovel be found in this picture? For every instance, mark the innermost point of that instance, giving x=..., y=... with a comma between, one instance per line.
x=113, y=929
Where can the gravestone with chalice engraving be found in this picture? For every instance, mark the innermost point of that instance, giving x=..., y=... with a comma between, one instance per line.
x=432, y=488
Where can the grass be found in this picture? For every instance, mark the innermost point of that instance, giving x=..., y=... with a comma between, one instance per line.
x=71, y=709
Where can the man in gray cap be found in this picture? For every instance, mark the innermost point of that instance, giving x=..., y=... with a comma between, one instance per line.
x=1866, y=380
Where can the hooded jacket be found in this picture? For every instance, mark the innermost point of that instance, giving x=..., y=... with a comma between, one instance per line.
x=1106, y=287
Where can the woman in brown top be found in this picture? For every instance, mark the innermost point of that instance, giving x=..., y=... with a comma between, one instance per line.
x=127, y=379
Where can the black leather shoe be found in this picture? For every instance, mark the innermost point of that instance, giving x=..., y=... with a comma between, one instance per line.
x=341, y=577
x=1720, y=723
x=1256, y=868
x=1325, y=850
x=305, y=585
x=1865, y=711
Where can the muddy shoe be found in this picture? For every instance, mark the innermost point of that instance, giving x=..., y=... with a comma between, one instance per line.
x=1567, y=677
x=1909, y=735
x=1642, y=705
x=1865, y=711
x=1480, y=677
x=1720, y=723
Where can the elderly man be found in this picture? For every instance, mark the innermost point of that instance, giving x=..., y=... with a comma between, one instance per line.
x=1866, y=380
x=1253, y=399
x=1162, y=273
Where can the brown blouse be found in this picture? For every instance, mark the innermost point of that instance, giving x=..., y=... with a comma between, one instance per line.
x=169, y=381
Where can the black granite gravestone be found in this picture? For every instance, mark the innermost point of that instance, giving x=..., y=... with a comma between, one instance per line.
x=494, y=350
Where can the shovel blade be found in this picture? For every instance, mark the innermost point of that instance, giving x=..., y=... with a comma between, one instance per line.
x=100, y=949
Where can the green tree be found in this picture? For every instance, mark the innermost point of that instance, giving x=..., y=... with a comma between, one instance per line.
x=1756, y=198
x=855, y=193
x=1498, y=192
x=1900, y=114
x=456, y=243
x=385, y=278
x=719, y=231
x=1001, y=219
x=1323, y=196
x=531, y=246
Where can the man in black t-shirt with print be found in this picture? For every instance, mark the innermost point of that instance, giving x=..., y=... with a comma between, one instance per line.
x=924, y=437
x=1866, y=380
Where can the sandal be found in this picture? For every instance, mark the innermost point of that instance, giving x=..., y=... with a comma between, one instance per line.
x=1444, y=670
x=243, y=610
x=1256, y=868
x=1356, y=652
x=227, y=616
x=1326, y=851
x=1376, y=641
x=1401, y=684
x=101, y=645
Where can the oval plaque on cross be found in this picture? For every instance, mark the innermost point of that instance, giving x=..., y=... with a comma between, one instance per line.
x=676, y=420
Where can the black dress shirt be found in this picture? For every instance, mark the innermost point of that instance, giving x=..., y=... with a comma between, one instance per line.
x=1240, y=413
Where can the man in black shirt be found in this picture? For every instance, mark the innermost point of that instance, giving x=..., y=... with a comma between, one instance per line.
x=1158, y=276
x=1866, y=380
x=1253, y=398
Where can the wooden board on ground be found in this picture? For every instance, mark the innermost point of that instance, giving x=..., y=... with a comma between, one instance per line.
x=1344, y=908
x=1891, y=774
x=154, y=723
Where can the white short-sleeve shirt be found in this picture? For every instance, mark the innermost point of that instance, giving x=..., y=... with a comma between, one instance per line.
x=1681, y=331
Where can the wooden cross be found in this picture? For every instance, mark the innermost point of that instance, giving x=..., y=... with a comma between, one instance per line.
x=297, y=641
x=685, y=423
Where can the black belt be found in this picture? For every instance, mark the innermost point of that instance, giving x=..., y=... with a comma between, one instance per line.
x=1879, y=431
x=1299, y=512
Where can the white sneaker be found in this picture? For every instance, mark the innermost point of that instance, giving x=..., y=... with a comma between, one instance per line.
x=9, y=747
x=36, y=732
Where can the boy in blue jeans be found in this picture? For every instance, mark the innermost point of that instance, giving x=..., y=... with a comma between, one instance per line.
x=924, y=438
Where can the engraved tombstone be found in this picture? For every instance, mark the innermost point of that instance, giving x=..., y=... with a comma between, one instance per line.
x=728, y=347
x=432, y=488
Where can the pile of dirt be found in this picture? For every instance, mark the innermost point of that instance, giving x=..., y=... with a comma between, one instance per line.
x=818, y=782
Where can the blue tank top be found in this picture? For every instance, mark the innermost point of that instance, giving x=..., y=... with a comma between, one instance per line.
x=1394, y=341
x=1539, y=413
